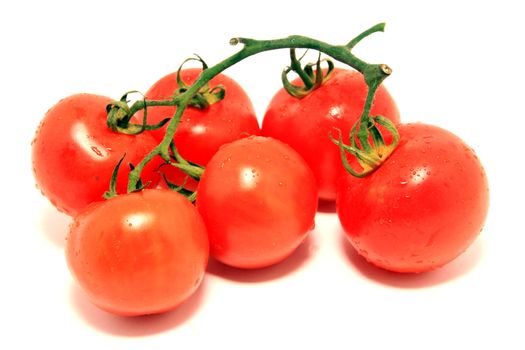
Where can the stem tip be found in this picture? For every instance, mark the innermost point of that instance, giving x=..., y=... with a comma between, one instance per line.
x=386, y=69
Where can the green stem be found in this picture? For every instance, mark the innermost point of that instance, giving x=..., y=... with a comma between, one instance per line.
x=374, y=74
x=295, y=65
x=161, y=150
x=380, y=27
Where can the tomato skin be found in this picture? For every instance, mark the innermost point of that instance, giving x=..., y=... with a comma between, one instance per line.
x=305, y=123
x=74, y=153
x=139, y=253
x=258, y=199
x=421, y=208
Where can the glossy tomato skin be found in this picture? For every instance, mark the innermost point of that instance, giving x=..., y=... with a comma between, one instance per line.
x=421, y=208
x=74, y=153
x=139, y=253
x=306, y=123
x=258, y=199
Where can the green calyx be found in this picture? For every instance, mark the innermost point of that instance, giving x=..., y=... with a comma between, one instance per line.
x=366, y=140
x=120, y=114
x=112, y=192
x=191, y=169
x=310, y=77
x=367, y=145
x=205, y=96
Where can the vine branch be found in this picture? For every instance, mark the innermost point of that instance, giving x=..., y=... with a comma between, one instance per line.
x=374, y=74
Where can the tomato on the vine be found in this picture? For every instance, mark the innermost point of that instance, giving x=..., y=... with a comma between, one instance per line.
x=422, y=207
x=202, y=131
x=74, y=153
x=138, y=253
x=305, y=123
x=258, y=200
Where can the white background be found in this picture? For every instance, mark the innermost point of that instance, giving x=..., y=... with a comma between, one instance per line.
x=456, y=64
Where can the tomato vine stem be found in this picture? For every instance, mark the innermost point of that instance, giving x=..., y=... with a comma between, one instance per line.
x=374, y=74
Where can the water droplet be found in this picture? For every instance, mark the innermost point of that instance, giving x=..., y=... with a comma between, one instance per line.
x=97, y=151
x=404, y=182
x=197, y=281
x=335, y=112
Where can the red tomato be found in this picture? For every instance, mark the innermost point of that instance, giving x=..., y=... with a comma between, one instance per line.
x=139, y=253
x=306, y=123
x=421, y=208
x=202, y=131
x=75, y=153
x=258, y=199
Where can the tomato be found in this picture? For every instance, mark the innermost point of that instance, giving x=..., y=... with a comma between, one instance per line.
x=74, y=153
x=421, y=208
x=306, y=123
x=258, y=200
x=202, y=131
x=139, y=253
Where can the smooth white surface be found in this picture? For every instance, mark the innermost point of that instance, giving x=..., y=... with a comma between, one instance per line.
x=456, y=64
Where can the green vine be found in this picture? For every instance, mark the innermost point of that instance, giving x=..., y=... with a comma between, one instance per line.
x=369, y=154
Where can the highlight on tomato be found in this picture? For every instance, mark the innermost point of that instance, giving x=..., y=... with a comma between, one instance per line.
x=139, y=253
x=422, y=207
x=305, y=122
x=258, y=200
x=74, y=153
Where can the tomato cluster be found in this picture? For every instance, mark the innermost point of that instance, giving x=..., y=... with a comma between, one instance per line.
x=145, y=249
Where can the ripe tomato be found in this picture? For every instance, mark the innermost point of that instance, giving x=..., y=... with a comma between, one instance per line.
x=306, y=123
x=421, y=208
x=202, y=131
x=258, y=199
x=139, y=253
x=74, y=153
